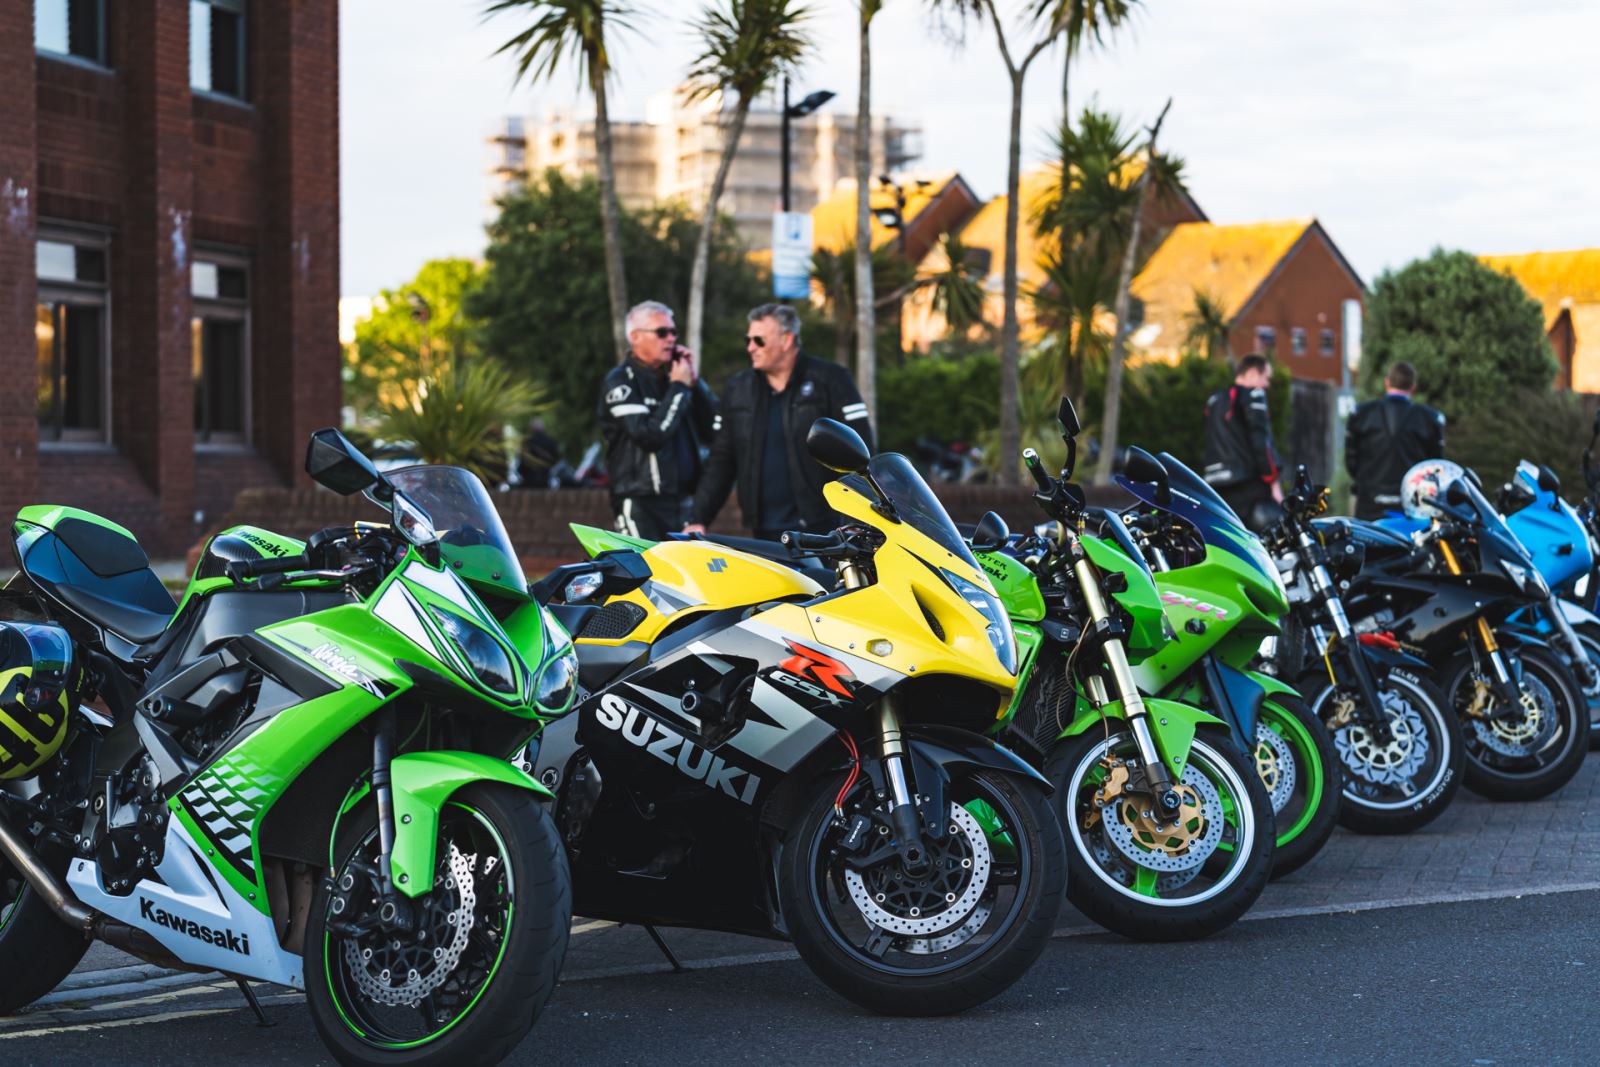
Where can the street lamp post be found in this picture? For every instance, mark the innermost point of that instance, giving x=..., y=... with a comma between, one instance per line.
x=791, y=112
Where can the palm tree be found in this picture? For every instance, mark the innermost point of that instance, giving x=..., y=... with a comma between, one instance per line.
x=956, y=286
x=1154, y=166
x=891, y=275
x=1017, y=64
x=1207, y=327
x=745, y=46
x=866, y=320
x=1078, y=290
x=1083, y=22
x=576, y=30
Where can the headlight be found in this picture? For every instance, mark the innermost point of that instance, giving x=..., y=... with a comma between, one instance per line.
x=988, y=605
x=1528, y=580
x=483, y=653
x=557, y=682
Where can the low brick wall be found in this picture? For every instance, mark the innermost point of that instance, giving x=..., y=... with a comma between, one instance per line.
x=537, y=520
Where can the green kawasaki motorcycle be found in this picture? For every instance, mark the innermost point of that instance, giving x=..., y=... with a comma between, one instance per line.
x=298, y=776
x=1170, y=830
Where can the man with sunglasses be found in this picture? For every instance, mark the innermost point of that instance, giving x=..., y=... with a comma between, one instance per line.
x=654, y=412
x=761, y=440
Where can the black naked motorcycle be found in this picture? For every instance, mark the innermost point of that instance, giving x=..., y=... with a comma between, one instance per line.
x=1400, y=745
x=1445, y=594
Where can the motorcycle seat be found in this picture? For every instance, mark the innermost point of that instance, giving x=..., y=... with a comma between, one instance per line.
x=125, y=620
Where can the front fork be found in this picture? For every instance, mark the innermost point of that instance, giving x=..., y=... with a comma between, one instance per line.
x=1581, y=664
x=1500, y=674
x=1138, y=717
x=1366, y=685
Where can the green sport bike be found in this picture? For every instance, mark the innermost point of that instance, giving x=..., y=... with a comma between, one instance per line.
x=299, y=775
x=1170, y=832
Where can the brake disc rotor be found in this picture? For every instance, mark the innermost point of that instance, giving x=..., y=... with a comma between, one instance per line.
x=402, y=970
x=1390, y=764
x=1275, y=764
x=1527, y=732
x=942, y=901
x=1181, y=843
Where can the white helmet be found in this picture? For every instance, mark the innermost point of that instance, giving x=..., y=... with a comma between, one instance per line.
x=1423, y=483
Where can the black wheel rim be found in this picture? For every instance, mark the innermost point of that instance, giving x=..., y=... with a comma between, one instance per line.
x=445, y=973
x=944, y=940
x=1393, y=777
x=1521, y=747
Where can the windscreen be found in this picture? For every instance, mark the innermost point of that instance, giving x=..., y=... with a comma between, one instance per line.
x=1494, y=524
x=472, y=539
x=915, y=503
x=1198, y=504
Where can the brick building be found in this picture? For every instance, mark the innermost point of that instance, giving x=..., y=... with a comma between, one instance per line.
x=169, y=256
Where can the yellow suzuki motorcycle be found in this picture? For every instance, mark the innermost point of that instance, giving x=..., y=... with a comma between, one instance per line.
x=751, y=754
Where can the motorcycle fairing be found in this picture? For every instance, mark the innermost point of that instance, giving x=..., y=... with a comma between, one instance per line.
x=1173, y=724
x=1552, y=533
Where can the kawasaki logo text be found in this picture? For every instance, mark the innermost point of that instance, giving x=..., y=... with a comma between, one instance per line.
x=672, y=748
x=227, y=939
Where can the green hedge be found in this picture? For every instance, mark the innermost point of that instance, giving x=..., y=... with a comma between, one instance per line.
x=948, y=400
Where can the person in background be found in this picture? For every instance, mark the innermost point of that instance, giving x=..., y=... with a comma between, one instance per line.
x=654, y=412
x=1241, y=463
x=1385, y=438
x=761, y=444
x=540, y=452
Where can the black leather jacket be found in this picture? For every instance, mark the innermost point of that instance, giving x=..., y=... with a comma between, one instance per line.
x=641, y=413
x=816, y=389
x=1383, y=439
x=1239, y=445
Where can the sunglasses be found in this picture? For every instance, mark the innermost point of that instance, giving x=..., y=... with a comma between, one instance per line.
x=664, y=332
x=759, y=342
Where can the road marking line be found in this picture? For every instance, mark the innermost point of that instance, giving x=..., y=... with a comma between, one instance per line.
x=107, y=1024
x=599, y=924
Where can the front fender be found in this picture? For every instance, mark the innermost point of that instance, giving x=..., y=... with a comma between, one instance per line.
x=1273, y=686
x=946, y=747
x=422, y=783
x=1172, y=723
x=595, y=540
x=1388, y=659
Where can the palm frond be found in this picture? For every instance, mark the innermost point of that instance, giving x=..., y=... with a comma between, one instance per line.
x=746, y=45
x=458, y=415
x=563, y=31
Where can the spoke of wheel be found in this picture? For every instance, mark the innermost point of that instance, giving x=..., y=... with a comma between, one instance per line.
x=1144, y=881
x=878, y=943
x=430, y=1013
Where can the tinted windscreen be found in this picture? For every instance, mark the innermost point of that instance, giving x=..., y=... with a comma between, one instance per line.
x=1191, y=483
x=472, y=539
x=915, y=503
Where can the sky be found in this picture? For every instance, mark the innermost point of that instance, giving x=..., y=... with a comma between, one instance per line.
x=1401, y=124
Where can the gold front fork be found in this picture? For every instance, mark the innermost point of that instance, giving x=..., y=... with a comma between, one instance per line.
x=1485, y=632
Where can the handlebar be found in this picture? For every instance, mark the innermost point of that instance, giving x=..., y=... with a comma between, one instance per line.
x=1030, y=458
x=811, y=542
x=239, y=570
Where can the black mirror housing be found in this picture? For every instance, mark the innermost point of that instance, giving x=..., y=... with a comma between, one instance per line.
x=333, y=461
x=990, y=533
x=1548, y=481
x=1067, y=418
x=1455, y=494
x=1141, y=466
x=837, y=447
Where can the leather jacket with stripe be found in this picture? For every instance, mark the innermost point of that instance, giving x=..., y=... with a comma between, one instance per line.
x=1239, y=446
x=641, y=413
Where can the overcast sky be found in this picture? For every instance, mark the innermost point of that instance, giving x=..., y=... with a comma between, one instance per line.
x=1401, y=124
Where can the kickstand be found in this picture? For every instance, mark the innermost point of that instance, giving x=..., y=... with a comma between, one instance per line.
x=255, y=1005
x=662, y=945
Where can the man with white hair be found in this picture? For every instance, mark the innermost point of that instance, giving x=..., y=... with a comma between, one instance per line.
x=654, y=412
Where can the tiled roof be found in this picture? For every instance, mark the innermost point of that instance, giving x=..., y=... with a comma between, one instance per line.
x=833, y=221
x=1554, y=279
x=1228, y=263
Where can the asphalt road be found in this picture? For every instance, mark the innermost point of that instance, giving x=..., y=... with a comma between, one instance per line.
x=1502, y=981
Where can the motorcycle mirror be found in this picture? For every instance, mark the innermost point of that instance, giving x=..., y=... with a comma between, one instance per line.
x=1477, y=482
x=333, y=461
x=1455, y=494
x=1548, y=482
x=837, y=447
x=1067, y=418
x=990, y=533
x=1141, y=466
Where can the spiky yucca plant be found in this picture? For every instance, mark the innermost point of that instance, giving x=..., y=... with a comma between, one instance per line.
x=457, y=416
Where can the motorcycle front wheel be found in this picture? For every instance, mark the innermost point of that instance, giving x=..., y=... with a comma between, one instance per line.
x=1533, y=752
x=468, y=978
x=1161, y=881
x=1589, y=638
x=1299, y=767
x=956, y=928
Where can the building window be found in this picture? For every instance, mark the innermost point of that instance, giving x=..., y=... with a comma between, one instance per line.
x=1297, y=340
x=71, y=328
x=217, y=47
x=1266, y=339
x=220, y=333
x=1327, y=342
x=71, y=28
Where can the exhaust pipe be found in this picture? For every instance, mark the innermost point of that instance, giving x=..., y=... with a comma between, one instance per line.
x=51, y=889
